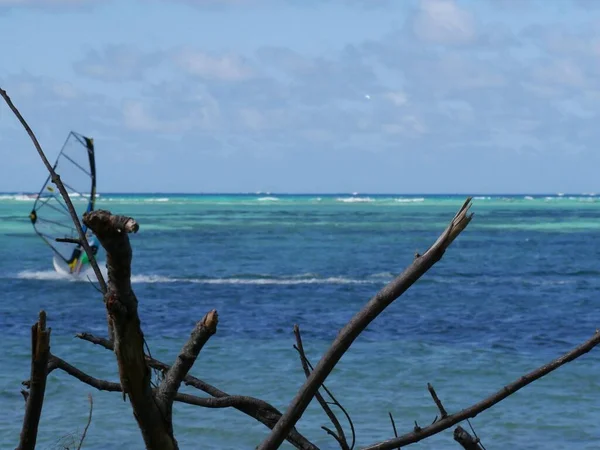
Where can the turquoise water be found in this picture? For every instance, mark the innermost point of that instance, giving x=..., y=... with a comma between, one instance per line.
x=517, y=289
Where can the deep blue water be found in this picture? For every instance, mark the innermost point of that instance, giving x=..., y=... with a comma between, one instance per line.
x=517, y=289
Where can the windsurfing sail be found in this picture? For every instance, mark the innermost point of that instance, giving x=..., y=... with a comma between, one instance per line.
x=76, y=166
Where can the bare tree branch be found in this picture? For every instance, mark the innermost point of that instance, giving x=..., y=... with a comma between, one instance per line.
x=202, y=332
x=102, y=385
x=437, y=401
x=228, y=401
x=393, y=426
x=360, y=321
x=88, y=422
x=65, y=195
x=487, y=403
x=263, y=412
x=63, y=192
x=40, y=351
x=340, y=437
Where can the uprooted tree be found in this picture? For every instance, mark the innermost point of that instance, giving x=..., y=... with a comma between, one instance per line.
x=153, y=405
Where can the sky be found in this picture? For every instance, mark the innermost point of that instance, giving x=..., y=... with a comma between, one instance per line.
x=388, y=96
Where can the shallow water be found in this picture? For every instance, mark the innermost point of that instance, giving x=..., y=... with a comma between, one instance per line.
x=517, y=289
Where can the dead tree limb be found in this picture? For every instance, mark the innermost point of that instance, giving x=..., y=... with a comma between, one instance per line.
x=340, y=436
x=477, y=408
x=122, y=307
x=40, y=352
x=360, y=321
x=178, y=371
x=110, y=386
x=437, y=401
x=254, y=407
x=63, y=192
x=65, y=195
x=87, y=426
x=262, y=411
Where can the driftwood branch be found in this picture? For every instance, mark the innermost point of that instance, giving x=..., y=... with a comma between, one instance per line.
x=40, y=352
x=110, y=386
x=360, y=321
x=87, y=426
x=261, y=408
x=63, y=192
x=340, y=437
x=175, y=375
x=437, y=401
x=122, y=306
x=262, y=411
x=487, y=403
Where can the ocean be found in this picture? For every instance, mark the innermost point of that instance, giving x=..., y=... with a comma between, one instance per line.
x=515, y=290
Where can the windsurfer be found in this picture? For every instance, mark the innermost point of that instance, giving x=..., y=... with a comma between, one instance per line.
x=75, y=263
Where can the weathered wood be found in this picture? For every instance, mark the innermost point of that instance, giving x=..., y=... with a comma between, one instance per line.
x=360, y=321
x=40, y=352
x=467, y=441
x=490, y=401
x=262, y=411
x=122, y=306
x=202, y=332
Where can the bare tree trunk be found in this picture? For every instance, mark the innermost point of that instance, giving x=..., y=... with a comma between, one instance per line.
x=122, y=306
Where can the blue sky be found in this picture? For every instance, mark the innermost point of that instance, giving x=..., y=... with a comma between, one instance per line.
x=423, y=96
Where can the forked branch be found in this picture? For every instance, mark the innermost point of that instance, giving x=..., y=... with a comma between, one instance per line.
x=360, y=321
x=340, y=436
x=122, y=307
x=257, y=409
x=176, y=374
x=477, y=408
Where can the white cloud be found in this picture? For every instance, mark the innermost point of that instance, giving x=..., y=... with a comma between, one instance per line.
x=117, y=63
x=443, y=22
x=65, y=90
x=562, y=72
x=225, y=67
x=137, y=117
x=397, y=98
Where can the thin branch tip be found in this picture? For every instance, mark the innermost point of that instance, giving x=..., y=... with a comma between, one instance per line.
x=437, y=401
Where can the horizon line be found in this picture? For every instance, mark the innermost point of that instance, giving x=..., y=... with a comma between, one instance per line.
x=355, y=193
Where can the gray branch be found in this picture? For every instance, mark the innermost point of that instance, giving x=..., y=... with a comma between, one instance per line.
x=360, y=321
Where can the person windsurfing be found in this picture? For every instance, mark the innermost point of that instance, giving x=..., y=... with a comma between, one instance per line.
x=79, y=257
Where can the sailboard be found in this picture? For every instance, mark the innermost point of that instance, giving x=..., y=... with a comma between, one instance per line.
x=76, y=166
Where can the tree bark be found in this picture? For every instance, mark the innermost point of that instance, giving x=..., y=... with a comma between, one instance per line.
x=122, y=307
x=40, y=352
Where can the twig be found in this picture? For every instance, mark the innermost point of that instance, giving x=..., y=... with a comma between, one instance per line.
x=437, y=401
x=490, y=401
x=340, y=437
x=88, y=422
x=359, y=322
x=40, y=351
x=394, y=426
x=259, y=410
x=202, y=332
x=465, y=439
x=63, y=192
